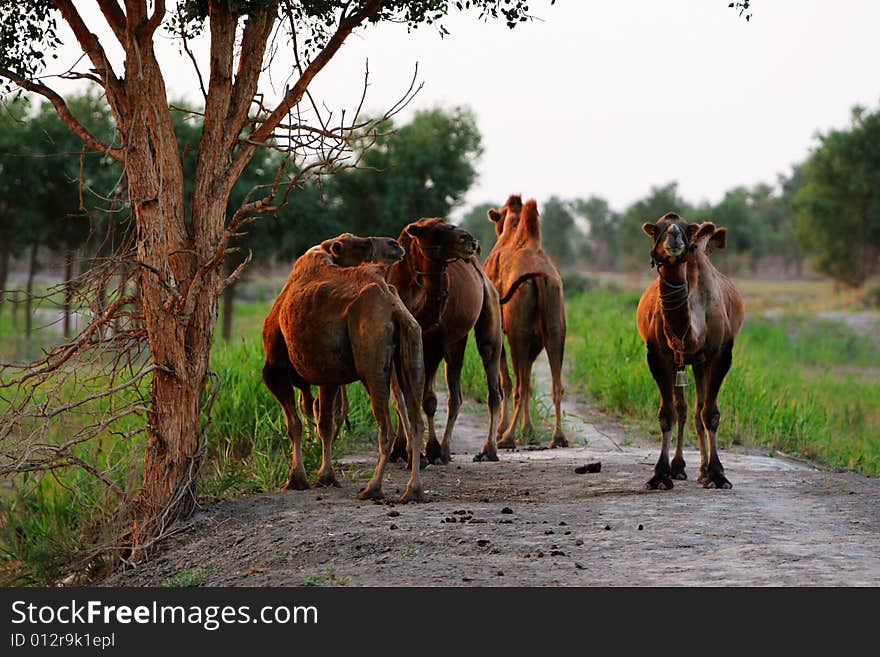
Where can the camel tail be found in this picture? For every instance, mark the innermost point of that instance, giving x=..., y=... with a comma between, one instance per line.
x=519, y=281
x=409, y=367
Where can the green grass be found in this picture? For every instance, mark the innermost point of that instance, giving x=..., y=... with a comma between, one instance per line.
x=189, y=577
x=796, y=384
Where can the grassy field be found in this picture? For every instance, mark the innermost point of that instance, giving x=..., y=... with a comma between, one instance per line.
x=798, y=384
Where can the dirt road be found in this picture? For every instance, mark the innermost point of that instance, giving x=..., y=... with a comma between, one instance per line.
x=531, y=520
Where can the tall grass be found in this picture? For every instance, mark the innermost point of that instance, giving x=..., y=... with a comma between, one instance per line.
x=797, y=384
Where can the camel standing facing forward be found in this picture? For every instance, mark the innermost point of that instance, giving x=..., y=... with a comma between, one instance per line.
x=332, y=325
x=533, y=313
x=690, y=315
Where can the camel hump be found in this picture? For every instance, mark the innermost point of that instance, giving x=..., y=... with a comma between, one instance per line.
x=514, y=202
x=703, y=234
x=529, y=229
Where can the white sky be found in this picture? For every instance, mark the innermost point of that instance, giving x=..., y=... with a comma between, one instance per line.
x=610, y=98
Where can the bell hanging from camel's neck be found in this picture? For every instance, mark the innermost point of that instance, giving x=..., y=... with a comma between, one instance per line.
x=681, y=378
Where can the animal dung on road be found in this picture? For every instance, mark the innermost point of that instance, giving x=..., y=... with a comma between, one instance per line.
x=594, y=467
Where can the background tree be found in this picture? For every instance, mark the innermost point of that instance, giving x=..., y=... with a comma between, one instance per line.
x=659, y=201
x=422, y=169
x=559, y=232
x=838, y=207
x=476, y=222
x=602, y=250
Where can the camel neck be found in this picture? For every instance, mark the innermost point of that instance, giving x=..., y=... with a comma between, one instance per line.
x=429, y=284
x=674, y=293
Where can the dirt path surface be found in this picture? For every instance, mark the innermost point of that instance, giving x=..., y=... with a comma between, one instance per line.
x=530, y=520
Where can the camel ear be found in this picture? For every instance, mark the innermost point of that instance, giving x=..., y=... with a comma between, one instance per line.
x=494, y=215
x=717, y=241
x=335, y=248
x=415, y=230
x=649, y=228
x=691, y=231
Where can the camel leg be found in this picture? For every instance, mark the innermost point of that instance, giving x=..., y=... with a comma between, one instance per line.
x=278, y=379
x=433, y=356
x=413, y=428
x=398, y=451
x=454, y=358
x=663, y=374
x=681, y=409
x=699, y=428
x=525, y=397
x=711, y=416
x=327, y=401
x=506, y=404
x=490, y=344
x=307, y=404
x=519, y=342
x=379, y=396
x=555, y=348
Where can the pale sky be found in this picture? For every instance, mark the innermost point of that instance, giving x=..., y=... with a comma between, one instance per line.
x=610, y=98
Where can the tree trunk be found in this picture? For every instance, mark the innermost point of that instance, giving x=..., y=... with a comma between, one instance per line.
x=228, y=306
x=68, y=288
x=28, y=295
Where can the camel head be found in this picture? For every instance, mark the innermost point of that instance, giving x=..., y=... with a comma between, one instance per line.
x=442, y=241
x=507, y=216
x=673, y=239
x=349, y=250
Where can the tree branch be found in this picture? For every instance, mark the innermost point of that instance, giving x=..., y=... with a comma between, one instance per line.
x=65, y=114
x=295, y=93
x=250, y=63
x=115, y=18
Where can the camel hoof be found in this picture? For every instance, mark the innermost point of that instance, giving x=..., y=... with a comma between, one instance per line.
x=677, y=467
x=718, y=481
x=296, y=483
x=434, y=453
x=412, y=494
x=398, y=452
x=506, y=443
x=558, y=441
x=485, y=456
x=370, y=494
x=326, y=482
x=659, y=482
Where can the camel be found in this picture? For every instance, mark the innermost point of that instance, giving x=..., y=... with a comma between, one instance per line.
x=441, y=282
x=533, y=311
x=690, y=315
x=345, y=250
x=335, y=323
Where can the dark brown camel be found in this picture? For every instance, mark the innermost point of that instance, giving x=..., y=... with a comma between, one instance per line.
x=445, y=288
x=690, y=315
x=333, y=325
x=533, y=311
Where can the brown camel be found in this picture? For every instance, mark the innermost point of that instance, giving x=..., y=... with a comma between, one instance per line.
x=345, y=250
x=690, y=315
x=533, y=311
x=333, y=325
x=445, y=288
